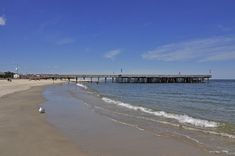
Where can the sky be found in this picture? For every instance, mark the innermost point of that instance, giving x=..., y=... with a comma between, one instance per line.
x=105, y=36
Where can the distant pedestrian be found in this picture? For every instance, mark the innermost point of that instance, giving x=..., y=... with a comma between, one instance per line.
x=9, y=80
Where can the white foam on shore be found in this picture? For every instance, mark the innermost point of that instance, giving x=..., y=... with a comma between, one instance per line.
x=180, y=118
x=81, y=85
x=172, y=124
x=223, y=151
x=127, y=124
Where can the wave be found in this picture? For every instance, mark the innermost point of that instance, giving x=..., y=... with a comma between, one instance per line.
x=180, y=118
x=172, y=124
x=81, y=85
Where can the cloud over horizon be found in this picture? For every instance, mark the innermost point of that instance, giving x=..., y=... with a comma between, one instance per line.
x=3, y=21
x=112, y=54
x=200, y=50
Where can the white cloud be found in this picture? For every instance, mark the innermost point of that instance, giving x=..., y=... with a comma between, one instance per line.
x=112, y=54
x=2, y=21
x=220, y=57
x=65, y=41
x=201, y=50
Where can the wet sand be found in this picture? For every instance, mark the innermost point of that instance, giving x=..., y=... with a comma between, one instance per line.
x=25, y=132
x=99, y=135
x=74, y=128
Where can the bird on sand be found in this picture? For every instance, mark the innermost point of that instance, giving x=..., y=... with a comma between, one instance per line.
x=41, y=110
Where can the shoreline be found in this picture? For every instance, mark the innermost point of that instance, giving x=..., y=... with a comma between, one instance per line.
x=86, y=123
x=24, y=131
x=72, y=126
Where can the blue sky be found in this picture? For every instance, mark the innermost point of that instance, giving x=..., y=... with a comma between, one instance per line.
x=139, y=36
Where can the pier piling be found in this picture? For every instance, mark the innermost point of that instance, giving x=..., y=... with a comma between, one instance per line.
x=133, y=78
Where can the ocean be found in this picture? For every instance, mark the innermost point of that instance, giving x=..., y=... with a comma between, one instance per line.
x=211, y=103
x=199, y=113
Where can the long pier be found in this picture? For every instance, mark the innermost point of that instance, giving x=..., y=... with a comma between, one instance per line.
x=163, y=78
x=131, y=78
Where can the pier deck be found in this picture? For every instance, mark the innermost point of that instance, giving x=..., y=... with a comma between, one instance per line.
x=162, y=78
x=133, y=78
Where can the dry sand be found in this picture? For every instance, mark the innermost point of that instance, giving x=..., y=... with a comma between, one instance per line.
x=22, y=84
x=25, y=132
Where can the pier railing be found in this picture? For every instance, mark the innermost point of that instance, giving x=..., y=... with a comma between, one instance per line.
x=130, y=78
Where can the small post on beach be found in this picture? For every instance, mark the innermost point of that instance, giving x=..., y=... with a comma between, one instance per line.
x=105, y=79
x=76, y=79
x=91, y=79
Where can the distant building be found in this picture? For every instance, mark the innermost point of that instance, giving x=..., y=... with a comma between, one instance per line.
x=16, y=76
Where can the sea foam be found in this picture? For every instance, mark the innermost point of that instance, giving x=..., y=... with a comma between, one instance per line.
x=81, y=85
x=180, y=118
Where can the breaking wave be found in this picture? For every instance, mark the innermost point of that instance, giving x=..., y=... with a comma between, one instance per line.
x=180, y=118
x=81, y=85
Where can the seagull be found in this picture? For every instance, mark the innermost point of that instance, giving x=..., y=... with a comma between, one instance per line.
x=41, y=110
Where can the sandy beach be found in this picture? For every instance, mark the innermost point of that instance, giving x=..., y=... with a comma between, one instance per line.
x=73, y=128
x=23, y=131
x=22, y=84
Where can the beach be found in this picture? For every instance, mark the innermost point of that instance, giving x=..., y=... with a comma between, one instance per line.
x=80, y=115
x=7, y=87
x=23, y=130
x=78, y=122
x=117, y=78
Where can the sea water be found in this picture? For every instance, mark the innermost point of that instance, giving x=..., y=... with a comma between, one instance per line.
x=201, y=112
x=213, y=101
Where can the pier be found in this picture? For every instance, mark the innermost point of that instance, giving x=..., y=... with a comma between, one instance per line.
x=162, y=78
x=130, y=78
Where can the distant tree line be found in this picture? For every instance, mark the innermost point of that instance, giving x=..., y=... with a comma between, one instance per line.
x=6, y=75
